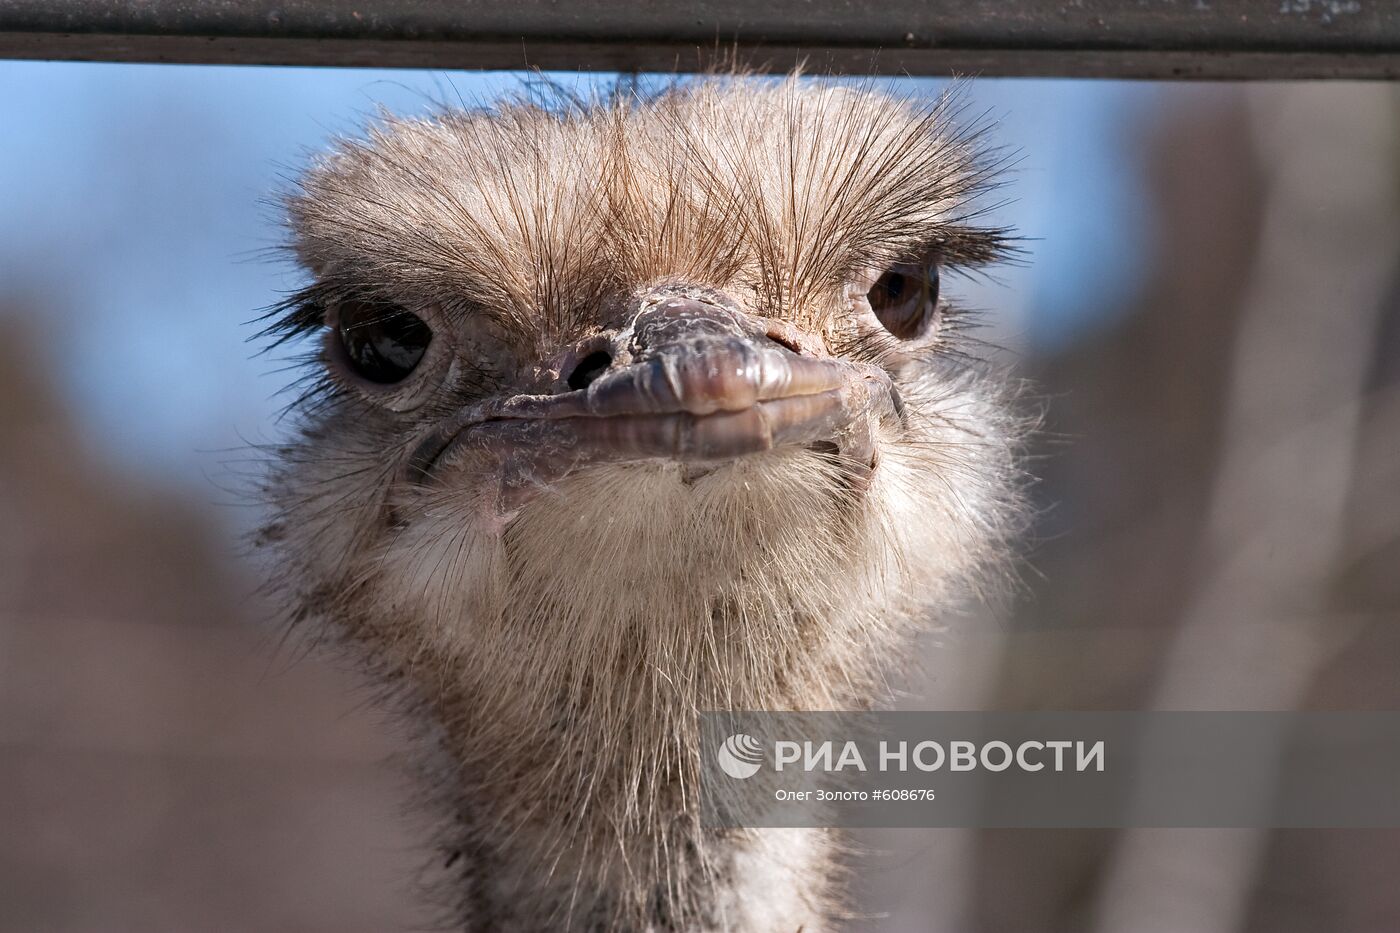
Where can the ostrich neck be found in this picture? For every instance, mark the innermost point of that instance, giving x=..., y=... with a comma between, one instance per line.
x=573, y=804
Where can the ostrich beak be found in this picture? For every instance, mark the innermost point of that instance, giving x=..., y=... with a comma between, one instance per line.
x=692, y=381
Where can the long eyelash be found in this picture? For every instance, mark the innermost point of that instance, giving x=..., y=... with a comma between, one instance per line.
x=298, y=315
x=960, y=246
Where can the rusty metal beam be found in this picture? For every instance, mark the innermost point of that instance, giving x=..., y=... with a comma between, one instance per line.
x=1228, y=39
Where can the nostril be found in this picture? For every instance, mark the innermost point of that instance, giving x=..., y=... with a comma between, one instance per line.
x=783, y=340
x=787, y=336
x=588, y=369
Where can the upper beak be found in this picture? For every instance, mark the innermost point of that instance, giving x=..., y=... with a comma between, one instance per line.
x=693, y=382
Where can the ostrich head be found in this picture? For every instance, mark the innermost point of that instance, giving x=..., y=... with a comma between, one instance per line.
x=625, y=411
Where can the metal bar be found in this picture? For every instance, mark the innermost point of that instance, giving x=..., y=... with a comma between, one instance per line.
x=1227, y=39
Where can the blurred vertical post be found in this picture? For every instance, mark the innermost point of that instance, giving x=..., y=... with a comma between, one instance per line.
x=1259, y=624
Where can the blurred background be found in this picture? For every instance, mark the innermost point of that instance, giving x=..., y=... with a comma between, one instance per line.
x=1209, y=308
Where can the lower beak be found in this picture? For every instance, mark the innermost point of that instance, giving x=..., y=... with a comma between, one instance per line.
x=706, y=386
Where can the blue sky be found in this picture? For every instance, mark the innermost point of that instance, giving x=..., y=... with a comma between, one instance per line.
x=134, y=205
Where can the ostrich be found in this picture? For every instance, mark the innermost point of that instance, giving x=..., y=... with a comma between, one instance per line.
x=622, y=410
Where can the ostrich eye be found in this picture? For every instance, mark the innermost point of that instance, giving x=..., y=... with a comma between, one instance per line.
x=905, y=299
x=383, y=343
